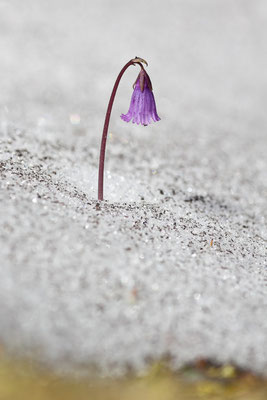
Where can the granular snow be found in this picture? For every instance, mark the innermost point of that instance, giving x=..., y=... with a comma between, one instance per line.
x=173, y=263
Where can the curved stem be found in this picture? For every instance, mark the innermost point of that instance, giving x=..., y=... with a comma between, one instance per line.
x=105, y=132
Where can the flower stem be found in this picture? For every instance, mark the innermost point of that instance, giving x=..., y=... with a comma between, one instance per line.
x=105, y=131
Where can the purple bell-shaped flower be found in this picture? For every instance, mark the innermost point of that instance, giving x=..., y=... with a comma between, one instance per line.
x=142, y=107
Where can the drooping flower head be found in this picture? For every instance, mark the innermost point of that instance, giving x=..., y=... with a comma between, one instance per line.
x=142, y=107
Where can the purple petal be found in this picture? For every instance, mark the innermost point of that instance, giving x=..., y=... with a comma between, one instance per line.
x=142, y=106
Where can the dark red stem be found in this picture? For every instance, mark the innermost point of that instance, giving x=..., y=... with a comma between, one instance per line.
x=105, y=132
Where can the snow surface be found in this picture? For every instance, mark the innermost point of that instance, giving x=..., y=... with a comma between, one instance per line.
x=173, y=264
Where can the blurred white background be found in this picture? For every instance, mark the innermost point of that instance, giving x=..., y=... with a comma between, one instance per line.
x=207, y=61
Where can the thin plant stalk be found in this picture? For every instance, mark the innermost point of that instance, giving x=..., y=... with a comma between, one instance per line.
x=136, y=60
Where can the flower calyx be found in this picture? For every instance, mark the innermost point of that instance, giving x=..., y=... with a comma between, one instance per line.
x=144, y=80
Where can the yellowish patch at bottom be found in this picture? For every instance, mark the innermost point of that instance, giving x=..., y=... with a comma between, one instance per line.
x=23, y=381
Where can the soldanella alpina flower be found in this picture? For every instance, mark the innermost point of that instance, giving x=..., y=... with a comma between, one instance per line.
x=142, y=107
x=142, y=111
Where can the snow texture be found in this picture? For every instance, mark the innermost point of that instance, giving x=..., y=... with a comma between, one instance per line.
x=173, y=264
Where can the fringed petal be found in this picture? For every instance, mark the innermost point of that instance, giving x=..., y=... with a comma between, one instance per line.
x=142, y=106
